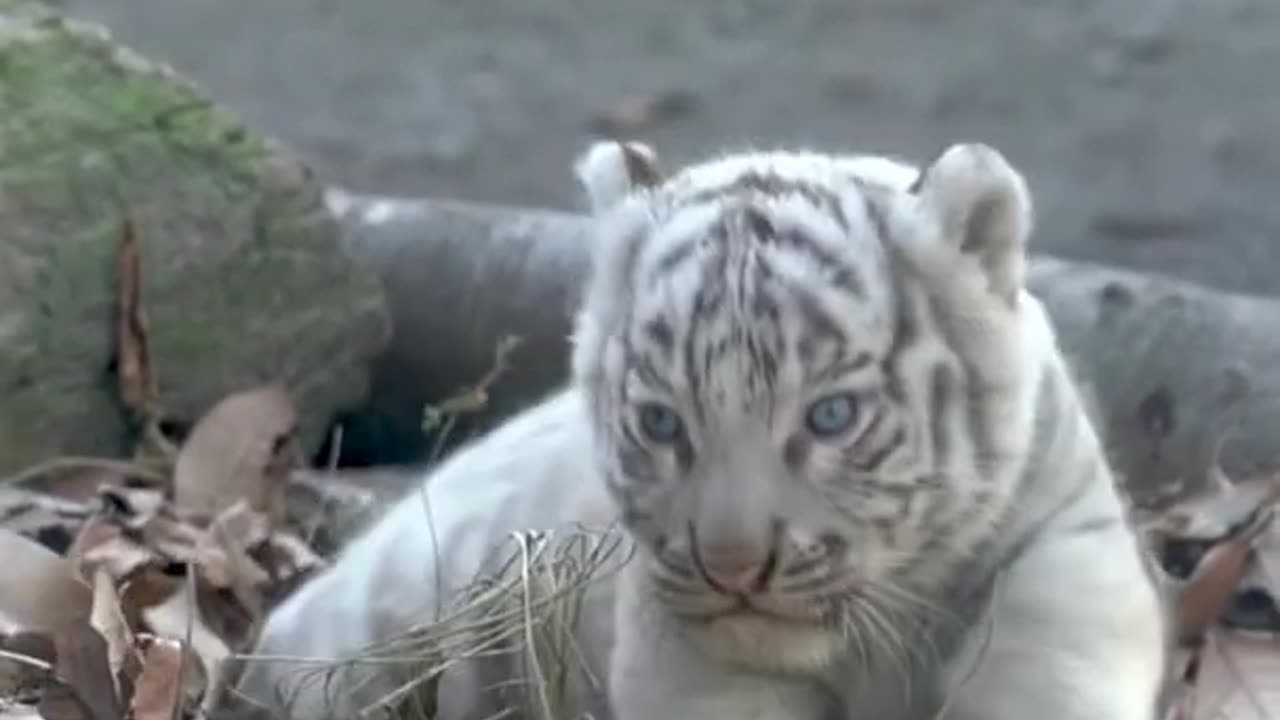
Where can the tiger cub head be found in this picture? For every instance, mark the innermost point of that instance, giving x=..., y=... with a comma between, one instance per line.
x=809, y=377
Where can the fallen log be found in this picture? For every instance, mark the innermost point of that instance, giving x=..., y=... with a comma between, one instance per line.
x=1171, y=366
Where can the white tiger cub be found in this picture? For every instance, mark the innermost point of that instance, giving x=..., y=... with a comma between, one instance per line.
x=818, y=397
x=842, y=432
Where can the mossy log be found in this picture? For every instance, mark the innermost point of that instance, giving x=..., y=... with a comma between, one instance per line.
x=245, y=277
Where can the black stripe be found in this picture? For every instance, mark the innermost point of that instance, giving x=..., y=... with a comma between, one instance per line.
x=708, y=299
x=906, y=329
x=941, y=397
x=967, y=378
x=676, y=256
x=875, y=214
x=840, y=274
x=821, y=324
x=637, y=465
x=764, y=362
x=660, y=332
x=756, y=223
x=648, y=373
x=1096, y=524
x=873, y=425
x=875, y=459
x=841, y=368
x=772, y=185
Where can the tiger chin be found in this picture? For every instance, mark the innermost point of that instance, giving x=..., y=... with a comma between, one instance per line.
x=842, y=434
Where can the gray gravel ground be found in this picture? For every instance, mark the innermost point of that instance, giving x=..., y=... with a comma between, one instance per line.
x=1149, y=128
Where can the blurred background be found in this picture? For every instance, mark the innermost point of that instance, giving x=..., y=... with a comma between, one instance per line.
x=1148, y=128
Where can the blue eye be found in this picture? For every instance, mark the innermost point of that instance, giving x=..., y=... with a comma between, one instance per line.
x=832, y=415
x=660, y=423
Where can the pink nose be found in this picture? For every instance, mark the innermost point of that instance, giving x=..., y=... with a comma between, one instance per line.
x=736, y=569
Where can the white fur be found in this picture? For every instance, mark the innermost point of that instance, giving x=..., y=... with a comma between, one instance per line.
x=1076, y=630
x=974, y=178
x=530, y=473
x=603, y=171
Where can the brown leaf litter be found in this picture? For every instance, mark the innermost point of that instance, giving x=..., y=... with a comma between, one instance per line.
x=137, y=612
x=129, y=582
x=243, y=449
x=1216, y=546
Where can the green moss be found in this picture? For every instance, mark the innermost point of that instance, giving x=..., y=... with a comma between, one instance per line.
x=235, y=248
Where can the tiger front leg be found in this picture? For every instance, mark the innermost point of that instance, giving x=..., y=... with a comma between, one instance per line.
x=655, y=673
x=1075, y=632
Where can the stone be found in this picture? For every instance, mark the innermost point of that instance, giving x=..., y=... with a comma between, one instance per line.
x=246, y=277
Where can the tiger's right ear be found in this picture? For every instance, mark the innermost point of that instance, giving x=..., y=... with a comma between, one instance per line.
x=984, y=209
x=609, y=170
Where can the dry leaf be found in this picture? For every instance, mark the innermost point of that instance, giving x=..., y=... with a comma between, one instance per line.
x=1212, y=514
x=119, y=557
x=1236, y=679
x=133, y=358
x=77, y=483
x=39, y=589
x=146, y=588
x=94, y=532
x=226, y=562
x=82, y=664
x=1267, y=551
x=174, y=539
x=103, y=543
x=242, y=449
x=289, y=555
x=158, y=692
x=244, y=526
x=179, y=617
x=51, y=521
x=331, y=508
x=16, y=500
x=1205, y=595
x=109, y=620
x=132, y=506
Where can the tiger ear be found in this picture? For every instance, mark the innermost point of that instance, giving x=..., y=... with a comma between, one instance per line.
x=983, y=208
x=609, y=170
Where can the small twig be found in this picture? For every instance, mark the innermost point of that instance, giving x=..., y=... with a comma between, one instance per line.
x=125, y=467
x=476, y=397
x=27, y=660
x=1242, y=683
x=51, y=675
x=317, y=520
x=335, y=449
x=526, y=576
x=192, y=608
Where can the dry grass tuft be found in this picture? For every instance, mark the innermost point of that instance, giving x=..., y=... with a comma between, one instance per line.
x=522, y=611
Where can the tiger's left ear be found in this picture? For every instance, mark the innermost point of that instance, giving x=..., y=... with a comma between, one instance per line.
x=983, y=208
x=609, y=170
